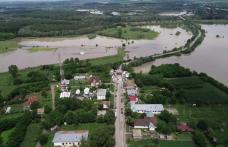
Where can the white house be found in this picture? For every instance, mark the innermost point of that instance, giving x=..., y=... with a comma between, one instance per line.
x=147, y=108
x=101, y=94
x=65, y=94
x=69, y=138
x=79, y=77
x=8, y=110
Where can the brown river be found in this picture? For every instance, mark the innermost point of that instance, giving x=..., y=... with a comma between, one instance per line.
x=210, y=57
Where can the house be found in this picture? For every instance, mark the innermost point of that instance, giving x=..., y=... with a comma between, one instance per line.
x=69, y=138
x=147, y=108
x=79, y=77
x=65, y=94
x=146, y=123
x=7, y=110
x=101, y=94
x=133, y=99
x=31, y=100
x=94, y=81
x=132, y=92
x=40, y=111
x=64, y=84
x=101, y=112
x=183, y=127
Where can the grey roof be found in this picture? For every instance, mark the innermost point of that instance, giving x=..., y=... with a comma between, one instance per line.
x=101, y=92
x=147, y=107
x=132, y=92
x=70, y=136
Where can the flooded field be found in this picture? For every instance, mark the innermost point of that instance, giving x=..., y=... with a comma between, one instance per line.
x=166, y=40
x=210, y=57
x=84, y=48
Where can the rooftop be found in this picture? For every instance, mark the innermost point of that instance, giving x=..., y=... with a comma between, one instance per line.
x=101, y=92
x=70, y=136
x=147, y=107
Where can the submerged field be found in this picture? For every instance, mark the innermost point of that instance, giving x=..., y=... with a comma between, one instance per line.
x=9, y=45
x=129, y=33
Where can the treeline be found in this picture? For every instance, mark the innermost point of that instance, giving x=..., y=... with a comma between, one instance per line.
x=19, y=131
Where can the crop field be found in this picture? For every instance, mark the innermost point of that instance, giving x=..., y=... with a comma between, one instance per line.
x=196, y=90
x=129, y=33
x=151, y=143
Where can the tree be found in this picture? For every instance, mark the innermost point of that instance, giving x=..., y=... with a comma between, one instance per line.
x=199, y=139
x=13, y=70
x=35, y=105
x=43, y=139
x=1, y=97
x=202, y=124
x=102, y=137
x=71, y=118
x=109, y=117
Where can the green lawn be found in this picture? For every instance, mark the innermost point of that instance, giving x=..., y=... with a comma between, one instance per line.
x=5, y=135
x=39, y=49
x=85, y=126
x=8, y=45
x=32, y=134
x=109, y=59
x=151, y=143
x=129, y=33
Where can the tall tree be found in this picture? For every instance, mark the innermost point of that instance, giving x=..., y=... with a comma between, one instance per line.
x=13, y=70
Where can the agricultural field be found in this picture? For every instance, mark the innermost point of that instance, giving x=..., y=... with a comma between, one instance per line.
x=129, y=33
x=197, y=91
x=152, y=143
x=32, y=134
x=214, y=115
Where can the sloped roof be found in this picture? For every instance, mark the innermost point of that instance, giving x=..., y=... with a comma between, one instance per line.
x=101, y=92
x=70, y=136
x=132, y=98
x=184, y=127
x=147, y=107
x=32, y=99
x=146, y=121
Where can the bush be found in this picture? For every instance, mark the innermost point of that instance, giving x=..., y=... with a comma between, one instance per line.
x=43, y=139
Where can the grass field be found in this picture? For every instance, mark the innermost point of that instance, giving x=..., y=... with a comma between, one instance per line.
x=9, y=45
x=196, y=90
x=109, y=59
x=5, y=135
x=129, y=33
x=32, y=134
x=41, y=49
x=151, y=143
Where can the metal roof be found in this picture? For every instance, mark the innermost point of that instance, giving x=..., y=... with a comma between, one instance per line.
x=147, y=107
x=70, y=136
x=101, y=92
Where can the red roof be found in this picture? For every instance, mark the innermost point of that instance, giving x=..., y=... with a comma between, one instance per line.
x=132, y=98
x=183, y=127
x=31, y=100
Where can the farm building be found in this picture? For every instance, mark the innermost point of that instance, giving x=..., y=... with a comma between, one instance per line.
x=147, y=108
x=69, y=138
x=101, y=94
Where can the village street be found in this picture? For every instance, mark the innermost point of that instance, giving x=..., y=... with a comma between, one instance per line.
x=120, y=117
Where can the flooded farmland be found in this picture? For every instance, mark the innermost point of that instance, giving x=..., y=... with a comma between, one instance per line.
x=84, y=48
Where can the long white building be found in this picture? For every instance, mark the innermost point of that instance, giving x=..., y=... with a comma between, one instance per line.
x=147, y=108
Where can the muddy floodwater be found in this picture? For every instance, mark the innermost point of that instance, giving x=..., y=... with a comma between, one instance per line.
x=210, y=57
x=84, y=48
x=166, y=40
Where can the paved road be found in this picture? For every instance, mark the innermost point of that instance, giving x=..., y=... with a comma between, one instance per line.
x=120, y=118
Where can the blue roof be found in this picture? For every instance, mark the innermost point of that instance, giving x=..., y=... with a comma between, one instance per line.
x=70, y=136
